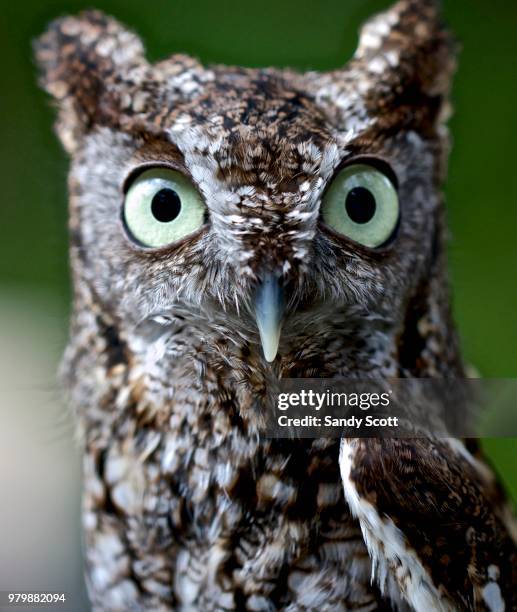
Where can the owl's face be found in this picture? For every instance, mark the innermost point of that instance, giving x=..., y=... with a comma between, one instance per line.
x=255, y=207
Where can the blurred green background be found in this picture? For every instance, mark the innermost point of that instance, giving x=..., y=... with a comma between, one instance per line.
x=481, y=190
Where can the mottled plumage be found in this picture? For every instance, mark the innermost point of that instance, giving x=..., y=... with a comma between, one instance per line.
x=187, y=505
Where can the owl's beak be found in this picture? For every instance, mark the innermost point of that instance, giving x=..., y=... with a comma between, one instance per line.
x=269, y=313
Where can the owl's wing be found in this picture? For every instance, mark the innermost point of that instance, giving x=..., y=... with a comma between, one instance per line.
x=434, y=522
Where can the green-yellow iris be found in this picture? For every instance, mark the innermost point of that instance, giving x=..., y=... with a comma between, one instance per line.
x=362, y=204
x=161, y=207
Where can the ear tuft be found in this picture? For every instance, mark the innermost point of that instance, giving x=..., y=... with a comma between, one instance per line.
x=408, y=48
x=81, y=58
x=400, y=76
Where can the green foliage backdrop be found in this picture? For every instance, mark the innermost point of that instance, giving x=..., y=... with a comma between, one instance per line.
x=481, y=190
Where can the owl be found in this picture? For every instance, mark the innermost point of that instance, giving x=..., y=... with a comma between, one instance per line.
x=232, y=227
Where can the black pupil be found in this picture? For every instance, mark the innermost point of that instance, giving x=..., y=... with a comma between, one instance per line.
x=360, y=205
x=166, y=205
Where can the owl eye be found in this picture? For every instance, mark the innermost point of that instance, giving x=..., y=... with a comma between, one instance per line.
x=362, y=203
x=162, y=206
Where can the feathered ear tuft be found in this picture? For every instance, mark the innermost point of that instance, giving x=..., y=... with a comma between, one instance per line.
x=82, y=60
x=401, y=73
x=409, y=45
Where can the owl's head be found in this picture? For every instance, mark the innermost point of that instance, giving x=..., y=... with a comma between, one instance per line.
x=300, y=212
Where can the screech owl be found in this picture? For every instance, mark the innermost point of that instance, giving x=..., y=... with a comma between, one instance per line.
x=230, y=227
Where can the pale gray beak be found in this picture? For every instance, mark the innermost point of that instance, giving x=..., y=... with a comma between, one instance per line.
x=269, y=313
